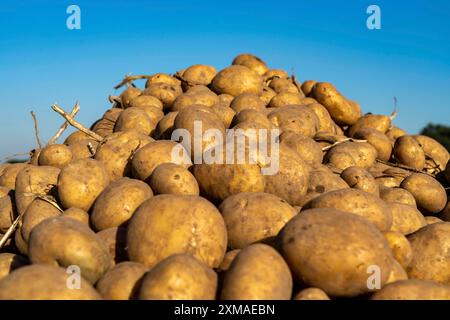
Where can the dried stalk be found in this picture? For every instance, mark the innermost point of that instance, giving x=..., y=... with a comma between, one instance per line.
x=64, y=125
x=401, y=166
x=129, y=79
x=76, y=124
x=10, y=231
x=36, y=131
x=340, y=142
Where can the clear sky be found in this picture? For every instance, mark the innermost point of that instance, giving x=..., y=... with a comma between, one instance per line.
x=43, y=62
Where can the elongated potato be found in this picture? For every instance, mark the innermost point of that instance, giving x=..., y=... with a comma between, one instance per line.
x=257, y=273
x=296, y=118
x=378, y=140
x=400, y=246
x=236, y=80
x=306, y=148
x=350, y=154
x=179, y=277
x=398, y=195
x=407, y=151
x=413, y=289
x=439, y=156
x=379, y=122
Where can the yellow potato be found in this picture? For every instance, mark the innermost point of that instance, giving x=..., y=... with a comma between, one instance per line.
x=55, y=155
x=236, y=80
x=10, y=262
x=171, y=178
x=400, y=246
x=407, y=151
x=413, y=289
x=311, y=294
x=406, y=219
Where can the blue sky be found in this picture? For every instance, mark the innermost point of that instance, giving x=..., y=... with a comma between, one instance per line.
x=42, y=62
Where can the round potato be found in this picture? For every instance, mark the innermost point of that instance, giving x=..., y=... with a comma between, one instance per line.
x=267, y=94
x=306, y=148
x=162, y=78
x=361, y=179
x=407, y=151
x=7, y=211
x=122, y=281
x=166, y=93
x=83, y=149
x=247, y=101
x=9, y=174
x=134, y=119
x=77, y=214
x=204, y=98
x=65, y=242
x=320, y=247
x=252, y=62
x=280, y=85
x=164, y=127
x=275, y=73
x=224, y=113
x=81, y=182
x=286, y=98
x=350, y=154
x=199, y=74
x=75, y=137
x=179, y=277
x=394, y=132
x=257, y=273
x=37, y=211
x=254, y=217
x=171, y=178
x=44, y=282
x=10, y=262
x=311, y=294
x=145, y=101
x=357, y=202
x=129, y=94
x=400, y=246
x=379, y=122
x=307, y=87
x=170, y=224
x=117, y=203
x=406, y=219
x=296, y=118
x=55, y=155
x=236, y=80
x=413, y=289
x=115, y=239
x=397, y=195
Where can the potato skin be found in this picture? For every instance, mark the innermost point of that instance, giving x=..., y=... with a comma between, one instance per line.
x=166, y=93
x=398, y=273
x=430, y=247
x=311, y=294
x=413, y=289
x=349, y=154
x=122, y=281
x=236, y=80
x=306, y=148
x=434, y=150
x=179, y=277
x=64, y=241
x=81, y=182
x=9, y=174
x=361, y=179
x=430, y=195
x=356, y=202
x=37, y=211
x=406, y=219
x=117, y=203
x=77, y=214
x=257, y=273
x=199, y=74
x=398, y=195
x=134, y=119
x=378, y=140
x=129, y=94
x=171, y=178
x=43, y=282
x=315, y=242
x=227, y=260
x=407, y=151
x=247, y=101
x=55, y=155
x=115, y=239
x=400, y=246
x=10, y=262
x=296, y=118
x=379, y=122
x=7, y=211
x=254, y=217
x=170, y=224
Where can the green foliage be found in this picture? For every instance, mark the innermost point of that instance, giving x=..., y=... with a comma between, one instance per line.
x=439, y=132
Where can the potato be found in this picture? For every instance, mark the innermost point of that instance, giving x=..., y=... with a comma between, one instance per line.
x=199, y=74
x=407, y=151
x=280, y=85
x=413, y=289
x=166, y=93
x=406, y=219
x=8, y=177
x=357, y=202
x=10, y=262
x=341, y=110
x=257, y=273
x=170, y=178
x=290, y=182
x=225, y=99
x=164, y=127
x=179, y=277
x=319, y=246
x=105, y=126
x=350, y=154
x=306, y=148
x=254, y=217
x=359, y=178
x=81, y=182
x=7, y=211
x=63, y=241
x=430, y=246
x=247, y=101
x=205, y=98
x=326, y=124
x=379, y=122
x=275, y=73
x=77, y=214
x=430, y=195
x=37, y=211
x=392, y=177
x=254, y=116
x=32, y=182
x=432, y=220
x=224, y=113
x=129, y=94
x=236, y=80
x=83, y=149
x=394, y=132
x=44, y=282
x=145, y=101
x=252, y=62
x=295, y=118
x=307, y=87
x=228, y=259
x=397, y=195
x=117, y=150
x=267, y=94
x=55, y=155
x=170, y=224
x=115, y=240
x=134, y=119
x=397, y=273
x=311, y=294
x=155, y=153
x=378, y=140
x=20, y=244
x=76, y=136
x=321, y=181
x=437, y=153
x=117, y=202
x=445, y=213
x=286, y=98
x=400, y=246
x=162, y=78
x=122, y=281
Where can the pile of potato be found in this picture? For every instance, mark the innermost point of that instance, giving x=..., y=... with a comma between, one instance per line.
x=356, y=201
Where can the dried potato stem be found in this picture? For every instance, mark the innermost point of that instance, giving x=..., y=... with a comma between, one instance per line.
x=36, y=131
x=10, y=231
x=129, y=79
x=64, y=126
x=342, y=141
x=401, y=166
x=76, y=124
